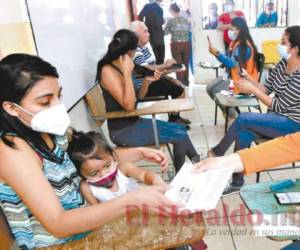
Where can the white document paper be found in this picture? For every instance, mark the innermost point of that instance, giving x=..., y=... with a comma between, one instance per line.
x=198, y=191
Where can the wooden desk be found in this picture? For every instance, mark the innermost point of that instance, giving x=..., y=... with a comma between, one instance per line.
x=236, y=101
x=155, y=235
x=154, y=108
x=157, y=107
x=208, y=65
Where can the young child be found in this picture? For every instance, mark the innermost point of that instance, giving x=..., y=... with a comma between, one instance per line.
x=103, y=177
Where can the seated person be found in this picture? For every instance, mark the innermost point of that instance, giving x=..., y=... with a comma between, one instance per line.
x=114, y=74
x=243, y=47
x=283, y=116
x=268, y=18
x=104, y=177
x=39, y=192
x=164, y=86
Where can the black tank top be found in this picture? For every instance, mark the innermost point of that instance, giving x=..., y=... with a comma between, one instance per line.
x=112, y=105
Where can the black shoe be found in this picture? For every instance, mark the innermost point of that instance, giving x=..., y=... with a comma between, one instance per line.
x=196, y=159
x=231, y=189
x=178, y=121
x=184, y=120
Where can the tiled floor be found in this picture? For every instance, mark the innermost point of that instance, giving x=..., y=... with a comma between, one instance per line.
x=224, y=231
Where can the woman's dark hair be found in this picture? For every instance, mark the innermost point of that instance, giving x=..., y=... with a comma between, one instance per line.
x=123, y=41
x=243, y=37
x=86, y=146
x=19, y=73
x=174, y=7
x=293, y=34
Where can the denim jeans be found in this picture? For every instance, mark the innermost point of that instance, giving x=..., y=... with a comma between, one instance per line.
x=141, y=134
x=248, y=127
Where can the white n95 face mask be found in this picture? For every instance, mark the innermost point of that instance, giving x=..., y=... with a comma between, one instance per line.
x=228, y=8
x=232, y=35
x=283, y=51
x=54, y=120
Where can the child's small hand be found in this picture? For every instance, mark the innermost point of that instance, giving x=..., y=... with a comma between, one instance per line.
x=157, y=156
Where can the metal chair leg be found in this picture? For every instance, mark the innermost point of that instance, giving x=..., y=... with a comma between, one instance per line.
x=216, y=113
x=155, y=131
x=171, y=174
x=257, y=177
x=157, y=145
x=259, y=108
x=226, y=119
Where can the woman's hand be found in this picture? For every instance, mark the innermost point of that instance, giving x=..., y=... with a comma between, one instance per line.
x=170, y=62
x=232, y=160
x=126, y=65
x=213, y=50
x=157, y=75
x=245, y=86
x=154, y=155
x=208, y=163
x=153, y=197
x=246, y=76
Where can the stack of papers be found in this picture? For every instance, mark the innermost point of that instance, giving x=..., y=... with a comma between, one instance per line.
x=198, y=191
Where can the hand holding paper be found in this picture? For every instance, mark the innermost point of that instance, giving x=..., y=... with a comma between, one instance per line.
x=198, y=191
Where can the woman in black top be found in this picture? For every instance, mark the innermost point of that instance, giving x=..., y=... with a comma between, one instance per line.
x=114, y=73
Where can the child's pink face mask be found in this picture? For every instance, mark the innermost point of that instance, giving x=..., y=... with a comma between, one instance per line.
x=106, y=181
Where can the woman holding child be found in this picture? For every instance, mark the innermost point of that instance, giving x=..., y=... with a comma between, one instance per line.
x=38, y=182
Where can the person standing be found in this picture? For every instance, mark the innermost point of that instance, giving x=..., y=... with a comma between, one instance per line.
x=211, y=21
x=186, y=13
x=153, y=16
x=178, y=27
x=225, y=19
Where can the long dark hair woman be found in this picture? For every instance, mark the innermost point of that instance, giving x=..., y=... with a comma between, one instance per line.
x=114, y=74
x=242, y=48
x=283, y=116
x=38, y=183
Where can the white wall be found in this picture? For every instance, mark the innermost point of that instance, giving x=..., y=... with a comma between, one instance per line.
x=15, y=37
x=200, y=44
x=80, y=117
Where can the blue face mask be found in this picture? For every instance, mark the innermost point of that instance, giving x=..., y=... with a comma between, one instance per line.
x=283, y=51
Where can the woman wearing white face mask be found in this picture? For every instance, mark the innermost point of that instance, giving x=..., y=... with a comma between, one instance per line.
x=242, y=47
x=268, y=18
x=38, y=182
x=283, y=116
x=224, y=21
